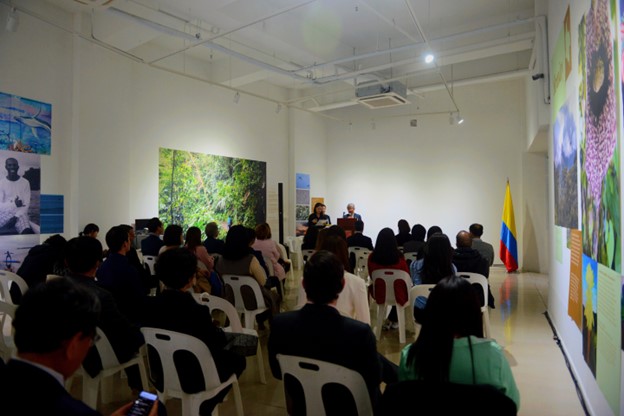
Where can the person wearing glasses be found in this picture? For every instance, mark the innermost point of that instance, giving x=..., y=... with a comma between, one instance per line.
x=50, y=348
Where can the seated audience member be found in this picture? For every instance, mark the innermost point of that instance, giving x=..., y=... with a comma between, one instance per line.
x=119, y=277
x=353, y=300
x=133, y=258
x=404, y=233
x=387, y=256
x=90, y=230
x=451, y=347
x=44, y=259
x=434, y=229
x=212, y=242
x=151, y=244
x=269, y=249
x=172, y=238
x=358, y=239
x=351, y=212
x=417, y=243
x=176, y=310
x=272, y=281
x=437, y=262
x=318, y=218
x=320, y=332
x=82, y=255
x=485, y=249
x=467, y=259
x=238, y=260
x=309, y=239
x=50, y=348
x=194, y=245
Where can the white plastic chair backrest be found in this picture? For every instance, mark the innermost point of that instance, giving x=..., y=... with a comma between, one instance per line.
x=150, y=261
x=283, y=251
x=314, y=374
x=105, y=350
x=420, y=290
x=476, y=278
x=237, y=282
x=166, y=343
x=411, y=255
x=269, y=264
x=307, y=254
x=52, y=277
x=389, y=276
x=361, y=256
x=220, y=304
x=5, y=284
x=7, y=313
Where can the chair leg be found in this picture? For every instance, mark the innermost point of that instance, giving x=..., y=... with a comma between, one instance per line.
x=486, y=323
x=238, y=401
x=249, y=320
x=143, y=371
x=381, y=312
x=90, y=389
x=260, y=360
x=401, y=316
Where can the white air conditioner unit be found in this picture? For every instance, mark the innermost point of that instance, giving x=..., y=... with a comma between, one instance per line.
x=382, y=95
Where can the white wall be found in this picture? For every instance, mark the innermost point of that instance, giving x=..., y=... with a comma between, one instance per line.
x=111, y=115
x=437, y=173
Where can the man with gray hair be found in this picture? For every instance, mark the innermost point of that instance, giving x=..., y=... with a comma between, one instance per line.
x=351, y=212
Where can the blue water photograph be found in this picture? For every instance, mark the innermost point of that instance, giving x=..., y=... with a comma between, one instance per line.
x=25, y=125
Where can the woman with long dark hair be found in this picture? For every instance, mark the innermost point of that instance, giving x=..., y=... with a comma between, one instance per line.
x=194, y=245
x=451, y=348
x=172, y=238
x=437, y=262
x=404, y=233
x=386, y=255
x=237, y=259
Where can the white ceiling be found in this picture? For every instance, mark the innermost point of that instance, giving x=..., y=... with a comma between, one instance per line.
x=317, y=48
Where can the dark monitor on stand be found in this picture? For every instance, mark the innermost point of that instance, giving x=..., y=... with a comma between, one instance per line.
x=141, y=225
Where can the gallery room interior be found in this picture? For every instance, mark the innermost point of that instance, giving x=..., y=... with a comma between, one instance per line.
x=291, y=84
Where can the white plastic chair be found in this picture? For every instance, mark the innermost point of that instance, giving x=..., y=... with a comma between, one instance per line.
x=306, y=254
x=6, y=278
x=110, y=366
x=150, y=261
x=251, y=309
x=269, y=264
x=314, y=374
x=284, y=256
x=220, y=304
x=166, y=344
x=7, y=347
x=389, y=276
x=416, y=291
x=52, y=277
x=476, y=278
x=410, y=256
x=361, y=261
x=294, y=245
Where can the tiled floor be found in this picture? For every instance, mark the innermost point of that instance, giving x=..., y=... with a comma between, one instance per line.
x=518, y=324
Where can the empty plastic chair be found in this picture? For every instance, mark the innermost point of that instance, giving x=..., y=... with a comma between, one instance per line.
x=164, y=346
x=313, y=375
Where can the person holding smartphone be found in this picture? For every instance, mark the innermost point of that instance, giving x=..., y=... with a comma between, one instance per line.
x=54, y=330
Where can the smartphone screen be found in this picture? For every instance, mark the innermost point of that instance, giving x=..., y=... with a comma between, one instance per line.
x=143, y=404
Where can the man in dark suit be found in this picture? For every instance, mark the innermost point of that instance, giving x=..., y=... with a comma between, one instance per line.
x=151, y=244
x=54, y=329
x=320, y=332
x=82, y=255
x=358, y=239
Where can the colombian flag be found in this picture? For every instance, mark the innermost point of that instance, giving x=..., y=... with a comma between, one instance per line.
x=508, y=244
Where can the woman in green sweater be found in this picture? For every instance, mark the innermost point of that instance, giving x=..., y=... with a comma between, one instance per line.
x=451, y=346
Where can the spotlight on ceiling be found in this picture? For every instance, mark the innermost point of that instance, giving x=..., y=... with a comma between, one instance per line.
x=12, y=21
x=429, y=58
x=455, y=118
x=236, y=97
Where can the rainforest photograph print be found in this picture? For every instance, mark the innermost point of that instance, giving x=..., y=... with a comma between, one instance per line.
x=197, y=188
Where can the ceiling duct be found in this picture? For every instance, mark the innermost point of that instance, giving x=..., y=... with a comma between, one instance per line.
x=378, y=95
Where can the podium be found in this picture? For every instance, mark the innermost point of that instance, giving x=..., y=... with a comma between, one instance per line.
x=348, y=225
